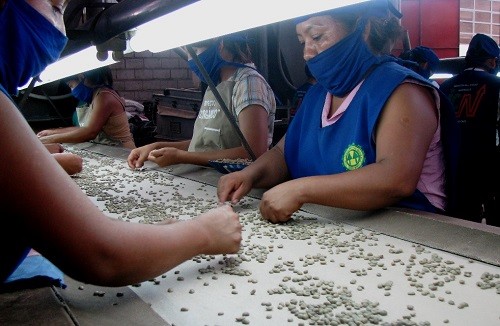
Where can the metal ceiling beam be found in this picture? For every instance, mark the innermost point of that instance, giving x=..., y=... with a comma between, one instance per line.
x=129, y=14
x=118, y=19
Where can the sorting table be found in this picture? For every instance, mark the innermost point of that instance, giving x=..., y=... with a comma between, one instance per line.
x=325, y=267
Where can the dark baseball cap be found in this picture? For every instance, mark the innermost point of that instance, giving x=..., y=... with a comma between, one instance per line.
x=424, y=54
x=482, y=46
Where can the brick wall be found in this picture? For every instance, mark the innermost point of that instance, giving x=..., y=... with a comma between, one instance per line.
x=142, y=74
x=479, y=16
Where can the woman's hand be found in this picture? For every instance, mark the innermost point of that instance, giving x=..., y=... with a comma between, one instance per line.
x=54, y=148
x=222, y=229
x=71, y=163
x=139, y=155
x=46, y=132
x=280, y=202
x=233, y=186
x=46, y=136
x=165, y=156
x=47, y=139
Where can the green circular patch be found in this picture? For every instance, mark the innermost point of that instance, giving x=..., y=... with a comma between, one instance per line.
x=353, y=158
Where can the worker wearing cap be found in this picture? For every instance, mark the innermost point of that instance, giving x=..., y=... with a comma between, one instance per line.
x=475, y=95
x=426, y=59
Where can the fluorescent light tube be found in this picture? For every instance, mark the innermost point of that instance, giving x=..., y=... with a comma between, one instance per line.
x=199, y=21
x=71, y=65
x=206, y=19
x=441, y=76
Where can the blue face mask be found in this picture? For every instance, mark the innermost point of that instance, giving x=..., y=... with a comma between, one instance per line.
x=31, y=44
x=342, y=66
x=83, y=92
x=212, y=62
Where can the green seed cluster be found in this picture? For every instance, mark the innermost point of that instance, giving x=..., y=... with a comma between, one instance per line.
x=490, y=281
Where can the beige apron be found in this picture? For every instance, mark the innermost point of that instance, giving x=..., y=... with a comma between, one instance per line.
x=212, y=129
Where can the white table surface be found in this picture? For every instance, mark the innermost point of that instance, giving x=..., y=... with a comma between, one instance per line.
x=311, y=271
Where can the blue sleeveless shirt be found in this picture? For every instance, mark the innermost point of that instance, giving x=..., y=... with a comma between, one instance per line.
x=349, y=143
x=13, y=253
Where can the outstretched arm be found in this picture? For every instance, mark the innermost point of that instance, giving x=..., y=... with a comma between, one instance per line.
x=104, y=105
x=139, y=155
x=53, y=216
x=69, y=135
x=54, y=131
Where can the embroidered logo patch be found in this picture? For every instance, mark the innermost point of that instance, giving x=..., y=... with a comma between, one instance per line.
x=353, y=158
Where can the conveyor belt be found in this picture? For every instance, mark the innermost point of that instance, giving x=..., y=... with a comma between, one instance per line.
x=469, y=239
x=326, y=266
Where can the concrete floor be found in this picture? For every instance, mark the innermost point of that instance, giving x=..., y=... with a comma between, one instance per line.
x=42, y=306
x=118, y=306
x=77, y=304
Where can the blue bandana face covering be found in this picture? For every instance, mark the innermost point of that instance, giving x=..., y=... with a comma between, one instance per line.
x=211, y=61
x=343, y=65
x=83, y=92
x=31, y=44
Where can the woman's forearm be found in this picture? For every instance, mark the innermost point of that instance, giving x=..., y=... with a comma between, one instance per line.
x=156, y=249
x=182, y=145
x=368, y=188
x=62, y=130
x=57, y=219
x=270, y=169
x=73, y=135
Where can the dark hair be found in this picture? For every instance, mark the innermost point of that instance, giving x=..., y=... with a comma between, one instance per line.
x=237, y=45
x=70, y=78
x=100, y=76
x=382, y=30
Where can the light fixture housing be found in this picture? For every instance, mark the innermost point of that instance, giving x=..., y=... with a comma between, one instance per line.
x=207, y=19
x=71, y=65
x=179, y=26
